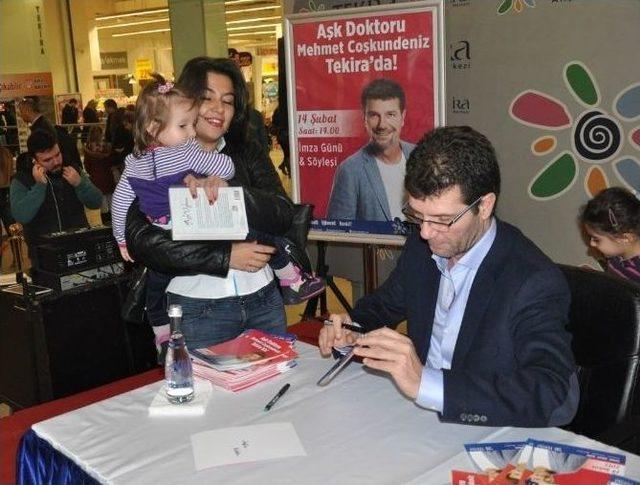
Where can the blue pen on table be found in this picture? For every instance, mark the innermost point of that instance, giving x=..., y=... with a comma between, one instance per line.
x=281, y=392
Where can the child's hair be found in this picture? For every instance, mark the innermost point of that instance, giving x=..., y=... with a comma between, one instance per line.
x=154, y=105
x=95, y=134
x=614, y=211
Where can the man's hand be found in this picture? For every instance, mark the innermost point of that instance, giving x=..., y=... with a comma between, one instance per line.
x=39, y=174
x=211, y=184
x=71, y=175
x=334, y=335
x=250, y=256
x=392, y=352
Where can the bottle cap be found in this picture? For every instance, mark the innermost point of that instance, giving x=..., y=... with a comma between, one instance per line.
x=175, y=311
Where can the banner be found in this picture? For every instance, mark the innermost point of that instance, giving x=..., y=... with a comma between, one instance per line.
x=28, y=84
x=364, y=86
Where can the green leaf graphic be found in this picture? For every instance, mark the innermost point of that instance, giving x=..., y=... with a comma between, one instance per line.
x=582, y=84
x=506, y=5
x=555, y=178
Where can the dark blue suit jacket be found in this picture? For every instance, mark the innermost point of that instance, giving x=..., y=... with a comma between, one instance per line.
x=512, y=364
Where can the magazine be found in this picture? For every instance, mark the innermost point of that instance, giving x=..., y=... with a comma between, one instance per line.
x=197, y=219
x=544, y=462
x=491, y=458
x=250, y=348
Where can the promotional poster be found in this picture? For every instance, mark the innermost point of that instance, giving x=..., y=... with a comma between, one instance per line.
x=365, y=87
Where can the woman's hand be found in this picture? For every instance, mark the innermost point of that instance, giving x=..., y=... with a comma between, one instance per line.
x=211, y=184
x=250, y=256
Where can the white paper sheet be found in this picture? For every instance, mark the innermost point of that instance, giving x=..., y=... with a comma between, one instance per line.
x=243, y=444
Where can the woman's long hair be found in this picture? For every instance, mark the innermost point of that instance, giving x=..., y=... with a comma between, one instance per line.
x=193, y=81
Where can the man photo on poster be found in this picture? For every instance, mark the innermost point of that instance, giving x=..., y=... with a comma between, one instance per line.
x=369, y=184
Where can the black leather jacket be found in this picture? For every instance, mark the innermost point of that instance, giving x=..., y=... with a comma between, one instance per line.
x=269, y=209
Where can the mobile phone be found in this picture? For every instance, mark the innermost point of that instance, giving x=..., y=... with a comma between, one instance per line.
x=340, y=364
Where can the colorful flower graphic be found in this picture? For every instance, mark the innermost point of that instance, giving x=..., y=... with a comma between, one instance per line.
x=516, y=5
x=596, y=137
x=313, y=7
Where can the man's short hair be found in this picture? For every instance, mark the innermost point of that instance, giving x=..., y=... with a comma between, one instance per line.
x=110, y=103
x=40, y=141
x=449, y=156
x=382, y=89
x=32, y=103
x=73, y=101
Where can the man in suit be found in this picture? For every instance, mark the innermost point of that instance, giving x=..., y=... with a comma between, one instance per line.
x=368, y=184
x=485, y=308
x=29, y=109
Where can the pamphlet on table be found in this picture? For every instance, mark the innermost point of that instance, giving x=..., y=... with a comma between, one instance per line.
x=242, y=362
x=540, y=462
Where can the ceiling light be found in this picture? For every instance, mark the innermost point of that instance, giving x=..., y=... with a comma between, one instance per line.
x=258, y=19
x=249, y=27
x=251, y=9
x=245, y=34
x=237, y=2
x=140, y=32
x=129, y=24
x=132, y=14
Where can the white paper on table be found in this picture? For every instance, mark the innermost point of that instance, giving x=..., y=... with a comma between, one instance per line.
x=243, y=444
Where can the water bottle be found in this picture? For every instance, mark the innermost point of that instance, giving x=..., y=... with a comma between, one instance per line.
x=178, y=371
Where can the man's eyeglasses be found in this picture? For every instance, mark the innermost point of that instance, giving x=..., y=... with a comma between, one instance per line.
x=441, y=226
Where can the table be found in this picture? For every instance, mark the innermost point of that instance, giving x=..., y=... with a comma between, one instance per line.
x=13, y=427
x=359, y=429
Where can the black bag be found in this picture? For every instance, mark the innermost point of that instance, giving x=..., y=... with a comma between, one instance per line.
x=133, y=308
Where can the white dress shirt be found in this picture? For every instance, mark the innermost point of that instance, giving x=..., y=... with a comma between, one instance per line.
x=453, y=293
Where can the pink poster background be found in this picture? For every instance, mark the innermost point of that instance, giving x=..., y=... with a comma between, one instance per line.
x=333, y=60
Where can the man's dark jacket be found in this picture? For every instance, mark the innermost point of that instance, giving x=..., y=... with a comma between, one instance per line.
x=512, y=364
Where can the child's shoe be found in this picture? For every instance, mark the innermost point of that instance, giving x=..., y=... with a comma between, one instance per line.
x=302, y=288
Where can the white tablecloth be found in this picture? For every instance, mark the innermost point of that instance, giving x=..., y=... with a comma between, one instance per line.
x=358, y=429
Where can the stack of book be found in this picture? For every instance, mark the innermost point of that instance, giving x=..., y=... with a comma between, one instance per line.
x=541, y=462
x=251, y=357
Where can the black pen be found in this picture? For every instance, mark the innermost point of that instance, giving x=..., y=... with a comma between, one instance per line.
x=281, y=392
x=353, y=328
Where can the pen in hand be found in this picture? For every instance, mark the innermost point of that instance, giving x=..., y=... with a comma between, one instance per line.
x=348, y=326
x=281, y=392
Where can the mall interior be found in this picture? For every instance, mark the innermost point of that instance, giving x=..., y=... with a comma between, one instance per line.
x=555, y=86
x=94, y=51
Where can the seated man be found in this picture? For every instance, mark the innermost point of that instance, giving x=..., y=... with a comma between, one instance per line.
x=485, y=308
x=51, y=197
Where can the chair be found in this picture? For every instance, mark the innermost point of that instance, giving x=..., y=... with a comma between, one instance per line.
x=604, y=320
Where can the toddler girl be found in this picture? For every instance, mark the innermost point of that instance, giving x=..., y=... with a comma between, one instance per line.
x=612, y=221
x=165, y=153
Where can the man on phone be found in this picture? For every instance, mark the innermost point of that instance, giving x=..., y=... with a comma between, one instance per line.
x=50, y=197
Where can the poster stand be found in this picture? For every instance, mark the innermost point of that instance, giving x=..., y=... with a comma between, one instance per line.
x=322, y=270
x=370, y=265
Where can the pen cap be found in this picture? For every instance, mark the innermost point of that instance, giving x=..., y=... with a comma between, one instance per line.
x=175, y=311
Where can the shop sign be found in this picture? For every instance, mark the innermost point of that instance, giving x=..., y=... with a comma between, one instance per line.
x=28, y=84
x=114, y=60
x=144, y=68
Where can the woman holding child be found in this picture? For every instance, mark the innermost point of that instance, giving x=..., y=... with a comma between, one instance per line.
x=224, y=287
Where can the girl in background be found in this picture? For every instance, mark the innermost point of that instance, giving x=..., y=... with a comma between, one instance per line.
x=612, y=222
x=98, y=166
